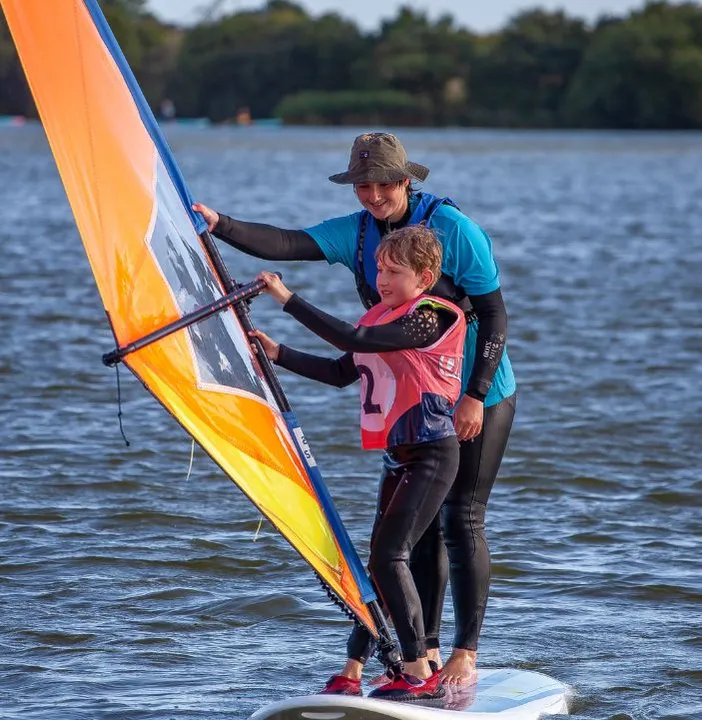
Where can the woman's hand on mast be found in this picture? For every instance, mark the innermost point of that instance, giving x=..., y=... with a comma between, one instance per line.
x=275, y=287
x=468, y=417
x=271, y=348
x=211, y=217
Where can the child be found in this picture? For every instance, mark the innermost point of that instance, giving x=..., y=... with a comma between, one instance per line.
x=407, y=351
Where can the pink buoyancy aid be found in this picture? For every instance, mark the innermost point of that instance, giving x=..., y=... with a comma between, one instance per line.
x=407, y=396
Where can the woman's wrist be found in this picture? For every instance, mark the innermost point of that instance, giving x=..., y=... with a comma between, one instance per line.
x=476, y=394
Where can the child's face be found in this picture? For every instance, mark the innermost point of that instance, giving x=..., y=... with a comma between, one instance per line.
x=398, y=283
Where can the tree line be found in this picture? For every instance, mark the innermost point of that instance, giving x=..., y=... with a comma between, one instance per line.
x=542, y=70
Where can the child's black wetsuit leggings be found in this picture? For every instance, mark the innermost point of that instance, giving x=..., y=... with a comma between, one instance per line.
x=415, y=482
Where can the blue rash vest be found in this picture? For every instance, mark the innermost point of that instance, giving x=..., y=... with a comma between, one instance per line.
x=368, y=238
x=467, y=260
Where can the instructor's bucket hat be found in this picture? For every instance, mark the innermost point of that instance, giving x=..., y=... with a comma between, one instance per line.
x=379, y=157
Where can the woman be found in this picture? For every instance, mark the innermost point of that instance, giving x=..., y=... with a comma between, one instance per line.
x=382, y=176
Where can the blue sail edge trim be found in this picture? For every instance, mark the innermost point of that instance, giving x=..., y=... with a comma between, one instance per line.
x=145, y=112
x=337, y=526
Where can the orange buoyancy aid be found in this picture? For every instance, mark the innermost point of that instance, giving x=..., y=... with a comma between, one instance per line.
x=407, y=396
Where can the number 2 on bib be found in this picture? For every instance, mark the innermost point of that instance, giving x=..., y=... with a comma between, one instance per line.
x=369, y=407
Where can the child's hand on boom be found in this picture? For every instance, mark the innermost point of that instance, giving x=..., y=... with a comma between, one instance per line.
x=271, y=348
x=275, y=287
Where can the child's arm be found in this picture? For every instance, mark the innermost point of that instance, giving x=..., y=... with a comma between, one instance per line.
x=421, y=329
x=339, y=373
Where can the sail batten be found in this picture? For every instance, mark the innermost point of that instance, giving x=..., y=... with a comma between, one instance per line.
x=133, y=211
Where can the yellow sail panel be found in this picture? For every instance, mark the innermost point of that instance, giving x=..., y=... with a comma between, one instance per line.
x=151, y=268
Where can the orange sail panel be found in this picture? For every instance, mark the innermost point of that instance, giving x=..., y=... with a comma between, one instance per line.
x=151, y=268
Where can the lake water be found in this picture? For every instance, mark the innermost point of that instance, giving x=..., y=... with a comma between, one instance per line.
x=132, y=591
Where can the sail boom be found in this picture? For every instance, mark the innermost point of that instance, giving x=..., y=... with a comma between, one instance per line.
x=246, y=292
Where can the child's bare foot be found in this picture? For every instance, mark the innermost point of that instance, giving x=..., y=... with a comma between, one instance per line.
x=460, y=668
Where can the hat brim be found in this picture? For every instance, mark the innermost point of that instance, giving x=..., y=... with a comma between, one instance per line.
x=381, y=175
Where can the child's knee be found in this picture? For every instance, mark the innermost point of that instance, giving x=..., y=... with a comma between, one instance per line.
x=382, y=560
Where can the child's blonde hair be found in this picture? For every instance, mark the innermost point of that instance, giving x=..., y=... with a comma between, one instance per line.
x=413, y=246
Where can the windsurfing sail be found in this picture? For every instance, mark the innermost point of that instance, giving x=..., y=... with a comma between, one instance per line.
x=153, y=263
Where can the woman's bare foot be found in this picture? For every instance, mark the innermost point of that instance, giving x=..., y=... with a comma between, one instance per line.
x=460, y=668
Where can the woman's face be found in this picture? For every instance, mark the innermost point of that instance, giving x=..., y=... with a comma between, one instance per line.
x=384, y=201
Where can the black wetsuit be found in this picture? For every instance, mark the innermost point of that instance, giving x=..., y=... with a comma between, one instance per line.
x=416, y=479
x=463, y=513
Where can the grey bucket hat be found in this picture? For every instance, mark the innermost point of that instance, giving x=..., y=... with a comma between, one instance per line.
x=379, y=157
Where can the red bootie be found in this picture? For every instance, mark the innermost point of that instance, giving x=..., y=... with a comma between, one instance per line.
x=340, y=685
x=408, y=688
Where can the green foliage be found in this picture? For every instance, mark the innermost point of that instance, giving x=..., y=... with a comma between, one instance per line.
x=521, y=77
x=544, y=69
x=355, y=107
x=417, y=57
x=642, y=73
x=123, y=21
x=14, y=93
x=134, y=7
x=252, y=59
x=151, y=48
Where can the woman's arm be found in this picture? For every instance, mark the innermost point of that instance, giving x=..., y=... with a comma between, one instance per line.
x=490, y=343
x=267, y=241
x=469, y=262
x=339, y=373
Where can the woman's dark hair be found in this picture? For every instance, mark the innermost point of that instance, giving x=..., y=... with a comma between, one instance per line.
x=411, y=189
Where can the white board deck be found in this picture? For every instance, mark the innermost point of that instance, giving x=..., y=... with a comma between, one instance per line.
x=500, y=694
